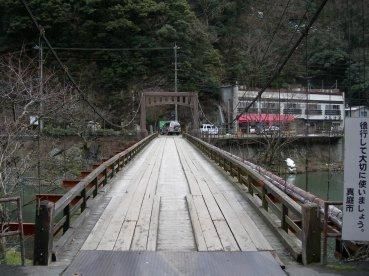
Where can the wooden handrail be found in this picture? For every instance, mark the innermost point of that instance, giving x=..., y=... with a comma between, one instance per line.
x=63, y=209
x=76, y=190
x=290, y=212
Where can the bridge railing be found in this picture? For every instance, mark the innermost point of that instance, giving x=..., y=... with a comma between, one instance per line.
x=54, y=219
x=297, y=225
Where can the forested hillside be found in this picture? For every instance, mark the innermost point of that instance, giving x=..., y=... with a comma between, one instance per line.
x=221, y=42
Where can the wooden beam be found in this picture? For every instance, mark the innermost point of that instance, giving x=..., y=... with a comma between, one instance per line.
x=311, y=232
x=28, y=227
x=68, y=183
x=55, y=197
x=43, y=242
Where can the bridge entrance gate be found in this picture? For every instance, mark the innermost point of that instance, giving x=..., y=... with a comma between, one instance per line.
x=188, y=99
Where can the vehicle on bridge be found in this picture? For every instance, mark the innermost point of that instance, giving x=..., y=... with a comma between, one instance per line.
x=171, y=127
x=209, y=129
x=269, y=130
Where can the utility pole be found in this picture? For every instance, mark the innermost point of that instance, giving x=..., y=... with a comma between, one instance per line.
x=39, y=47
x=175, y=78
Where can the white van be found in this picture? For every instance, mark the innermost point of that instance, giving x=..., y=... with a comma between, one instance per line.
x=174, y=128
x=209, y=129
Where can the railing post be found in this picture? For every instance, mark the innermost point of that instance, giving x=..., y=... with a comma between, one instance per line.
x=251, y=191
x=284, y=224
x=96, y=184
x=112, y=170
x=83, y=195
x=264, y=194
x=311, y=234
x=43, y=242
x=239, y=174
x=66, y=213
x=105, y=177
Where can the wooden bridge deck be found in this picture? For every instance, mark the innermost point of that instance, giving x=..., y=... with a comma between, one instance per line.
x=169, y=199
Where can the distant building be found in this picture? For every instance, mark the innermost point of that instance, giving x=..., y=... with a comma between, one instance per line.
x=357, y=111
x=322, y=109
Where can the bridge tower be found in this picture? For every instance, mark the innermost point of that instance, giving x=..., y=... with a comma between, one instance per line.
x=188, y=99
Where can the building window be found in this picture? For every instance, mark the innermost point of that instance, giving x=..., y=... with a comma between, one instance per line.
x=364, y=113
x=292, y=108
x=332, y=109
x=313, y=109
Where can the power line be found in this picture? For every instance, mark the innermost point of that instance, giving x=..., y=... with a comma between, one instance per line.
x=112, y=49
x=271, y=41
x=276, y=30
x=65, y=69
x=297, y=43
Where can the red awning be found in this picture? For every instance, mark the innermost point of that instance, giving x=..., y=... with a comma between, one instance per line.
x=265, y=118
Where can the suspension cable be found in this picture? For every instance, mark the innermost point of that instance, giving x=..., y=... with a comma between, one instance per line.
x=269, y=44
x=280, y=68
x=64, y=68
x=204, y=114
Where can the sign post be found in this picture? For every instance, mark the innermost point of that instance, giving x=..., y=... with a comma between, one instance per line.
x=355, y=193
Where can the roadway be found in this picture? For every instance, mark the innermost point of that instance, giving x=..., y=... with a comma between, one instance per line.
x=170, y=198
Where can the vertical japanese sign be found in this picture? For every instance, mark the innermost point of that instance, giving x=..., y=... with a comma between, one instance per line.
x=355, y=200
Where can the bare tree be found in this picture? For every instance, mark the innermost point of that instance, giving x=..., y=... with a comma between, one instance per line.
x=22, y=106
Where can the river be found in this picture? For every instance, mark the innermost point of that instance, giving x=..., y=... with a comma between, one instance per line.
x=318, y=183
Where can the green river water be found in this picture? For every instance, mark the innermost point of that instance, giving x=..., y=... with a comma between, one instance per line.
x=319, y=183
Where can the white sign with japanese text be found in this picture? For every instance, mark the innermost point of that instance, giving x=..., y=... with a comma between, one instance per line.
x=355, y=200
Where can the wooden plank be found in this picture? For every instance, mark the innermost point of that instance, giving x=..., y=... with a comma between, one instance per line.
x=135, y=207
x=124, y=240
x=213, y=208
x=226, y=237
x=242, y=237
x=141, y=233
x=191, y=180
x=125, y=237
x=99, y=229
x=249, y=225
x=154, y=223
x=199, y=236
x=210, y=234
x=111, y=234
x=154, y=178
x=107, y=241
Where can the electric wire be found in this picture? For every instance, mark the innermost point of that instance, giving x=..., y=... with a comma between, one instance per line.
x=64, y=68
x=269, y=44
x=111, y=49
x=281, y=66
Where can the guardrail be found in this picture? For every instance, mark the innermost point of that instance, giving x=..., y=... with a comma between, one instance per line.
x=297, y=225
x=52, y=218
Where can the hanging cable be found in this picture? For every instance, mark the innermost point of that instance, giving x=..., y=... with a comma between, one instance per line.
x=282, y=65
x=202, y=111
x=64, y=68
x=281, y=57
x=269, y=44
x=135, y=114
